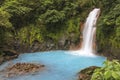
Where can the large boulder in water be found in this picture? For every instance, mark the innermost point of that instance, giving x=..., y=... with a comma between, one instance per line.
x=86, y=73
x=21, y=69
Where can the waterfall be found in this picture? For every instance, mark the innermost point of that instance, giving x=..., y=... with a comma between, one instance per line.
x=89, y=30
x=88, y=34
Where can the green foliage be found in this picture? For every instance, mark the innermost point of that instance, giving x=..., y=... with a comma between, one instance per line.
x=5, y=36
x=24, y=15
x=16, y=7
x=70, y=27
x=45, y=11
x=52, y=16
x=55, y=36
x=18, y=11
x=5, y=26
x=29, y=34
x=88, y=3
x=57, y=18
x=108, y=31
x=1, y=37
x=4, y=19
x=110, y=71
x=1, y=2
x=73, y=27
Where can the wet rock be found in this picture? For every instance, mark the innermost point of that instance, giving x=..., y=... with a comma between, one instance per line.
x=21, y=69
x=1, y=60
x=86, y=73
x=35, y=47
x=8, y=54
x=62, y=41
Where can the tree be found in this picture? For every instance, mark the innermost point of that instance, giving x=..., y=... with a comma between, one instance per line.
x=4, y=19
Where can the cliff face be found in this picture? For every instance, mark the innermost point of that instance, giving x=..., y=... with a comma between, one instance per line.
x=64, y=43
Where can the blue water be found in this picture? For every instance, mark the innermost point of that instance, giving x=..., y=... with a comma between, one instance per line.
x=59, y=65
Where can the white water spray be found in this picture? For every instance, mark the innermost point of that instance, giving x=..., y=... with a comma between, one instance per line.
x=88, y=34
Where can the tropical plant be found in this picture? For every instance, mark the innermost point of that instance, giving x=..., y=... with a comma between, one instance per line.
x=29, y=34
x=4, y=19
x=110, y=71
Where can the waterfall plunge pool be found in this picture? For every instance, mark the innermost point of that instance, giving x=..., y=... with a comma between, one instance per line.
x=59, y=65
x=63, y=65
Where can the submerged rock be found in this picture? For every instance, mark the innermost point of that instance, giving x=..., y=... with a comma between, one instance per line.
x=22, y=68
x=86, y=73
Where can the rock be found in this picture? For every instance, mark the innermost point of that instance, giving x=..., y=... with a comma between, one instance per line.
x=62, y=41
x=1, y=60
x=9, y=52
x=86, y=73
x=22, y=68
x=35, y=46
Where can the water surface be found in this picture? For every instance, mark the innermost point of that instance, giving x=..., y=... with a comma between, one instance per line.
x=59, y=65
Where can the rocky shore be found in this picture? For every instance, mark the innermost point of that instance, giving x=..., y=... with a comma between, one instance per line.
x=86, y=73
x=8, y=54
x=14, y=48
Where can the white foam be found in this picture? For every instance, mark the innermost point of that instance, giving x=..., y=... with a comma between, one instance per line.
x=88, y=35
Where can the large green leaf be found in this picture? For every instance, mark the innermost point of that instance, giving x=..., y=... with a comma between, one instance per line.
x=107, y=74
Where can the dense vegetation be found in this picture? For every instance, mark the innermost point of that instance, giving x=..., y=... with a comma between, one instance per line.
x=108, y=31
x=37, y=20
x=28, y=21
x=110, y=71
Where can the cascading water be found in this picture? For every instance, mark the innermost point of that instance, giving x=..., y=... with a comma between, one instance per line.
x=88, y=34
x=89, y=30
